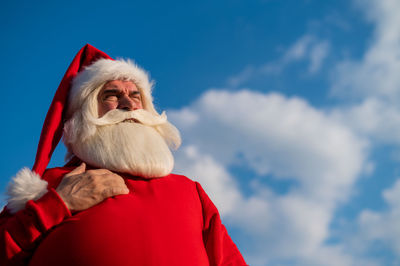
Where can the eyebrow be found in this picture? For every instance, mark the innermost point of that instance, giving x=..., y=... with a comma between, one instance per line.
x=106, y=91
x=111, y=91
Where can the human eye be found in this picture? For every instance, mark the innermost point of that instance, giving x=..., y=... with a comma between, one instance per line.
x=111, y=97
x=135, y=96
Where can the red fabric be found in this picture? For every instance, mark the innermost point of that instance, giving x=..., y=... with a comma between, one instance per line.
x=54, y=122
x=165, y=221
x=21, y=233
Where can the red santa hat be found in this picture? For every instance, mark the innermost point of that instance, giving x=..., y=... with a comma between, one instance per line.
x=89, y=69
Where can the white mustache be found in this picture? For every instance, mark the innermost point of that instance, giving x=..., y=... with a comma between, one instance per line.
x=141, y=116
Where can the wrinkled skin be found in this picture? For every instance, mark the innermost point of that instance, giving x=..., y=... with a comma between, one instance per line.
x=81, y=189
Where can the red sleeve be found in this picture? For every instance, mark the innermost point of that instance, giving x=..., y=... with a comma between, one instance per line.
x=219, y=246
x=21, y=233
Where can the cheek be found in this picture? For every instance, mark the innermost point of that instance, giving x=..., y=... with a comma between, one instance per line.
x=104, y=107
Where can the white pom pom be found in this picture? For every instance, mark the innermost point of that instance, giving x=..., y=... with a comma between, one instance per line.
x=25, y=186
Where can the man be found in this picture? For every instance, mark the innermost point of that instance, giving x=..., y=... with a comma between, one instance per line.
x=115, y=202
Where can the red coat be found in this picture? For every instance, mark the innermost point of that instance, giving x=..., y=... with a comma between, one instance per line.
x=165, y=221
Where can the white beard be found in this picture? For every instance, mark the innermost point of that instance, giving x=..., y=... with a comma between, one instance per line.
x=124, y=146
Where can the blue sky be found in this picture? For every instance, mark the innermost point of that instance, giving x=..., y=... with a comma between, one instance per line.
x=288, y=110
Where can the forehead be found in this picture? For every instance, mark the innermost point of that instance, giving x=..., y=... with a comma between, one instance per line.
x=120, y=85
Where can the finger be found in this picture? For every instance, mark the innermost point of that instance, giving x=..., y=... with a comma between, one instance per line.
x=78, y=170
x=114, y=191
x=117, y=178
x=99, y=172
x=110, y=181
x=112, y=178
x=123, y=190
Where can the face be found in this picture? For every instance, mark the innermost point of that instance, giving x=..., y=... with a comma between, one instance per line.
x=118, y=94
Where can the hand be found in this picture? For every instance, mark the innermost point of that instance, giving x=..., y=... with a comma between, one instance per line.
x=81, y=189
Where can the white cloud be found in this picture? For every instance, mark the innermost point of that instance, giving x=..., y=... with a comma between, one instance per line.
x=214, y=177
x=379, y=228
x=374, y=118
x=375, y=82
x=307, y=48
x=286, y=139
x=264, y=128
x=299, y=49
x=317, y=54
x=374, y=79
x=246, y=74
x=377, y=73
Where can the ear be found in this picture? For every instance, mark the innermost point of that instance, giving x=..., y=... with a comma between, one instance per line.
x=25, y=186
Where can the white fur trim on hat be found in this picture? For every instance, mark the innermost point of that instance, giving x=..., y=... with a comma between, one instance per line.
x=102, y=71
x=25, y=186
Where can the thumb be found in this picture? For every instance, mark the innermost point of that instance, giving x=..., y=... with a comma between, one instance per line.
x=79, y=170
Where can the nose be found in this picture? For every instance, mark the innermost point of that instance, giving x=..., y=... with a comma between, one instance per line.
x=127, y=104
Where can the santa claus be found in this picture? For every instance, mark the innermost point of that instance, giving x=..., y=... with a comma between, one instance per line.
x=115, y=202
